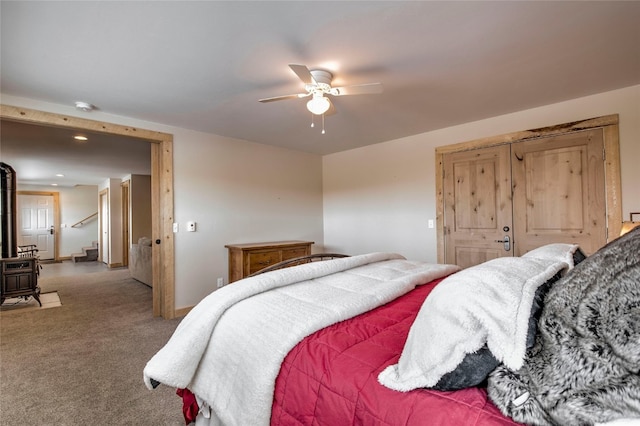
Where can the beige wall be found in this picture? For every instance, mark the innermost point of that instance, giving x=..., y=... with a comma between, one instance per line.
x=377, y=198
x=237, y=192
x=381, y=197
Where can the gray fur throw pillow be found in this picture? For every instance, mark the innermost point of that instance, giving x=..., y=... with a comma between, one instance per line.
x=584, y=367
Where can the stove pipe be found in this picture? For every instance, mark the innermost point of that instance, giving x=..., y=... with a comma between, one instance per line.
x=8, y=211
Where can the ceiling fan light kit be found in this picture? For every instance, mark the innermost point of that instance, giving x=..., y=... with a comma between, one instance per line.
x=318, y=105
x=317, y=83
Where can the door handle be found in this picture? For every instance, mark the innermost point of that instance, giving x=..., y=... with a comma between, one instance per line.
x=52, y=230
x=506, y=241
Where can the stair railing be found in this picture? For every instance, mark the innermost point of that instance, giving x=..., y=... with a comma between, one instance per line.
x=81, y=222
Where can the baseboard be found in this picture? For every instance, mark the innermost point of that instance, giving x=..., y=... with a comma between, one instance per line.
x=116, y=265
x=52, y=261
x=183, y=311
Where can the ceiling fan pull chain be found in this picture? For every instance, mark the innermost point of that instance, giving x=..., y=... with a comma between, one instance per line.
x=323, y=124
x=312, y=125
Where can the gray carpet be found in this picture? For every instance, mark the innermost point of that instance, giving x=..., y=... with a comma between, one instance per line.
x=81, y=363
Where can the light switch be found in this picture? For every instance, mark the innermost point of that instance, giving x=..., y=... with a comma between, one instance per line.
x=430, y=223
x=191, y=226
x=175, y=227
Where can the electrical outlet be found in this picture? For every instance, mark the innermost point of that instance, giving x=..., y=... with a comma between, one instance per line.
x=220, y=282
x=191, y=226
x=430, y=223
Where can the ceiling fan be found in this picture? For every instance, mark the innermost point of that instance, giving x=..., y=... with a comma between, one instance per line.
x=317, y=84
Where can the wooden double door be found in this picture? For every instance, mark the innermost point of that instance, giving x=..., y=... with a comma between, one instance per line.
x=508, y=199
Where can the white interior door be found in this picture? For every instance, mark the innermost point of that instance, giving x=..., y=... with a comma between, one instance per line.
x=36, y=225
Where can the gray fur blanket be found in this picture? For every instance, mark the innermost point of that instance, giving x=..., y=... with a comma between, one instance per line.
x=585, y=365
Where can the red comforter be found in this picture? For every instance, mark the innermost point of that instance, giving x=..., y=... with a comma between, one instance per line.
x=330, y=378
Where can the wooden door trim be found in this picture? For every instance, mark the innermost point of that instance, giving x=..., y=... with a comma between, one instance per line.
x=161, y=191
x=56, y=218
x=103, y=255
x=613, y=182
x=125, y=187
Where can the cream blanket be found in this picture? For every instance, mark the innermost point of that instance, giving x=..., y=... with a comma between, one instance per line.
x=486, y=304
x=229, y=348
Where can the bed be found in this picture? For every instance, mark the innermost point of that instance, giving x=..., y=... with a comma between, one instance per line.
x=377, y=339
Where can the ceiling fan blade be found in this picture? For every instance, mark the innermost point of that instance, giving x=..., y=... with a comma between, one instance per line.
x=332, y=108
x=282, y=98
x=303, y=73
x=358, y=89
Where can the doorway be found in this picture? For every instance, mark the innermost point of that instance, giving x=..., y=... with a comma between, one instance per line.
x=161, y=188
x=37, y=222
x=530, y=220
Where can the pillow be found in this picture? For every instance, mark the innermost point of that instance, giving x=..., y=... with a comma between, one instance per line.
x=472, y=320
x=472, y=371
x=144, y=241
x=557, y=251
x=578, y=256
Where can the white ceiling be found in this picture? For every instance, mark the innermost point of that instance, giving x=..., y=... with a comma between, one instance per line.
x=203, y=65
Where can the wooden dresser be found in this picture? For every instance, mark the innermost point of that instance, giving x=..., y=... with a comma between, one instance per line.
x=245, y=259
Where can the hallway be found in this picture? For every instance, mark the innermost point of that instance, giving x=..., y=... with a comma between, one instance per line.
x=68, y=267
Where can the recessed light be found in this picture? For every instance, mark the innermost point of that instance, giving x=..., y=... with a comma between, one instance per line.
x=54, y=184
x=59, y=175
x=80, y=138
